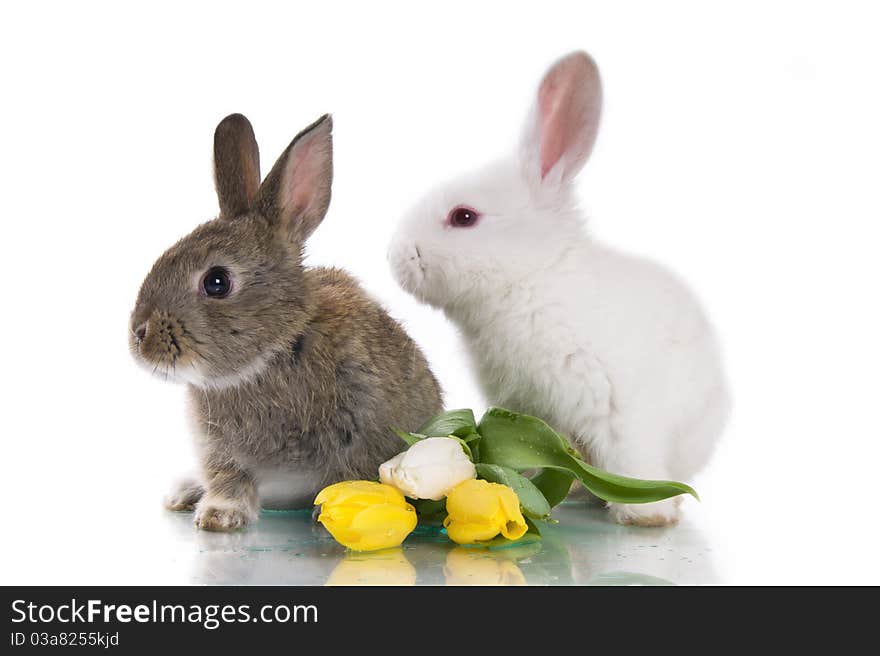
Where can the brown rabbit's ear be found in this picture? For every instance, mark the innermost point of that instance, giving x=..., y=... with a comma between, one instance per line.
x=236, y=165
x=296, y=193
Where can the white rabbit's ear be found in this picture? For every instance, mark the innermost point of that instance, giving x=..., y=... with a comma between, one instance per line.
x=296, y=193
x=562, y=126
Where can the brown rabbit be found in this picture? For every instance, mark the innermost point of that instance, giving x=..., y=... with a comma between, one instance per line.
x=295, y=375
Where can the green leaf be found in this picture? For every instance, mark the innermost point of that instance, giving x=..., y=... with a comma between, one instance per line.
x=473, y=441
x=650, y=490
x=428, y=509
x=409, y=438
x=554, y=484
x=460, y=423
x=524, y=442
x=530, y=498
x=533, y=528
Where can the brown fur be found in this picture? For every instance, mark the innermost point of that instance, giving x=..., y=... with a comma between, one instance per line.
x=296, y=369
x=236, y=165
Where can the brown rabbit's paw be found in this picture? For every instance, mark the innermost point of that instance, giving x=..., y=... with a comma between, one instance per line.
x=214, y=518
x=184, y=496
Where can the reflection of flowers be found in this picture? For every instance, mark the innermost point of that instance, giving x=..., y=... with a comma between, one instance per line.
x=478, y=511
x=365, y=516
x=481, y=567
x=429, y=468
x=389, y=567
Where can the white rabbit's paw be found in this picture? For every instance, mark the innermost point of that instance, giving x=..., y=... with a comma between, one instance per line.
x=227, y=516
x=659, y=513
x=184, y=496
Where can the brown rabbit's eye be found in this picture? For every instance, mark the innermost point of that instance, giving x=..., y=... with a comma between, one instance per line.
x=216, y=282
x=463, y=217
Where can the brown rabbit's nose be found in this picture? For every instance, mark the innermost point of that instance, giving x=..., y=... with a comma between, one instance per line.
x=141, y=332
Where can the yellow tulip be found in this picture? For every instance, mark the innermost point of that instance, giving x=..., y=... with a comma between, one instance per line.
x=365, y=516
x=479, y=510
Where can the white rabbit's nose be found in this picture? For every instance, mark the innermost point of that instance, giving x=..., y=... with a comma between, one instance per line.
x=399, y=250
x=406, y=263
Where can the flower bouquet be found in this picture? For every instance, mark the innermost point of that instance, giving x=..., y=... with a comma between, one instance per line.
x=489, y=483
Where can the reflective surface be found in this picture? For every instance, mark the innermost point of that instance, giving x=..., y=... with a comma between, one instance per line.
x=584, y=548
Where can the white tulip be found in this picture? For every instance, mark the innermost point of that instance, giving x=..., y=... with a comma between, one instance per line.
x=428, y=469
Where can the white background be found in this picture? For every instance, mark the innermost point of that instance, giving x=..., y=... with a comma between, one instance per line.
x=739, y=145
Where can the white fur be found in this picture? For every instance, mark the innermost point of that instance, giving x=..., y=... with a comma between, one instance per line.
x=611, y=349
x=193, y=373
x=245, y=375
x=281, y=489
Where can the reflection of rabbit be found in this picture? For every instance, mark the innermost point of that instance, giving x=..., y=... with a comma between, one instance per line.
x=283, y=548
x=611, y=349
x=295, y=375
x=600, y=553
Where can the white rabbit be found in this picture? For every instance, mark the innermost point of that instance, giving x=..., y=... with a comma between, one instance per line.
x=612, y=349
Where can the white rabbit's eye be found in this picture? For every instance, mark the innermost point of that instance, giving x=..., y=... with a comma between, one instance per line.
x=216, y=282
x=463, y=217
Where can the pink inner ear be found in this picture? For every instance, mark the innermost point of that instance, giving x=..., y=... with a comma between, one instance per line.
x=304, y=177
x=553, y=130
x=568, y=110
